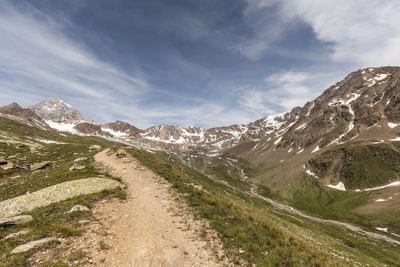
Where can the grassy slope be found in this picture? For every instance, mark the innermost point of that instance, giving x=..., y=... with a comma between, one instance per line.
x=358, y=165
x=267, y=236
x=54, y=219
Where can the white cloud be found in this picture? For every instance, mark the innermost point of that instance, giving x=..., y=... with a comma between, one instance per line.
x=36, y=55
x=363, y=33
x=37, y=60
x=266, y=28
x=283, y=91
x=358, y=33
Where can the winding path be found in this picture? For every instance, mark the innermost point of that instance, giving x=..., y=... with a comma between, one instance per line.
x=151, y=228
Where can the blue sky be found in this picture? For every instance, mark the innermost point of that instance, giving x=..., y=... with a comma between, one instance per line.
x=188, y=62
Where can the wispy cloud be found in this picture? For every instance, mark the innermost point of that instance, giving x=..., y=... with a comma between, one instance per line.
x=283, y=91
x=360, y=32
x=36, y=56
x=37, y=60
x=266, y=28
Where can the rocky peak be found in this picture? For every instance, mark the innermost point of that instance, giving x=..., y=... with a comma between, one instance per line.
x=364, y=100
x=57, y=111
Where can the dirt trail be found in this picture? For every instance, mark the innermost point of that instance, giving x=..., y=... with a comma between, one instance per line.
x=150, y=228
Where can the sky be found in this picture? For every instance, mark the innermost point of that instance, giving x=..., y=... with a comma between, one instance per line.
x=187, y=62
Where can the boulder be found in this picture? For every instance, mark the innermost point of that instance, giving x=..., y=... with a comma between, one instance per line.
x=78, y=208
x=40, y=165
x=10, y=236
x=96, y=147
x=32, y=245
x=21, y=219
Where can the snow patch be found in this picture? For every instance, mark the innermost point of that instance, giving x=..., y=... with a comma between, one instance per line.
x=278, y=140
x=382, y=229
x=315, y=149
x=312, y=174
x=397, y=183
x=392, y=125
x=49, y=141
x=114, y=133
x=395, y=139
x=339, y=186
x=301, y=127
x=60, y=126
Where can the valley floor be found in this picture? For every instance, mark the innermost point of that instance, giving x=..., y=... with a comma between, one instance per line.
x=151, y=227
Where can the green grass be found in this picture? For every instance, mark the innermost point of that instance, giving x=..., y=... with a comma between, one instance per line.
x=358, y=165
x=255, y=227
x=232, y=218
x=312, y=197
x=53, y=220
x=267, y=236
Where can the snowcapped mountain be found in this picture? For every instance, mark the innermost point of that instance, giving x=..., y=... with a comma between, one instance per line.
x=364, y=104
x=63, y=117
x=59, y=115
x=344, y=138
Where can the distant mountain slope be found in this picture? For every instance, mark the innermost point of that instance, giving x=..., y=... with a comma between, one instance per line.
x=25, y=114
x=59, y=115
x=363, y=109
x=62, y=116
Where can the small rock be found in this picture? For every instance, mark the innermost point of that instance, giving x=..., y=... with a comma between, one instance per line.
x=10, y=236
x=40, y=165
x=241, y=251
x=76, y=167
x=78, y=208
x=7, y=166
x=3, y=160
x=81, y=159
x=21, y=219
x=32, y=244
x=96, y=147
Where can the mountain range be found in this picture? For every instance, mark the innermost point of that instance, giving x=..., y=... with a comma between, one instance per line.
x=305, y=187
x=363, y=108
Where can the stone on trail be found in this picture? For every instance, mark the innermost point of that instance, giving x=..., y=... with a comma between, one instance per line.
x=40, y=165
x=78, y=208
x=55, y=193
x=15, y=220
x=32, y=244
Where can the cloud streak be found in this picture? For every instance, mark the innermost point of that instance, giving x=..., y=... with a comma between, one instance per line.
x=363, y=32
